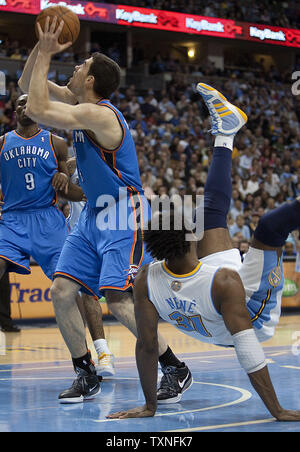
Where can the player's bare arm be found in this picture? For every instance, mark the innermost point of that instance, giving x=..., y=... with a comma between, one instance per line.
x=101, y=121
x=229, y=299
x=61, y=182
x=71, y=165
x=60, y=93
x=77, y=193
x=146, y=349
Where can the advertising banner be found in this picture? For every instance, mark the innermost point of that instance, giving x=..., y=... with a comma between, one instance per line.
x=30, y=296
x=291, y=291
x=135, y=16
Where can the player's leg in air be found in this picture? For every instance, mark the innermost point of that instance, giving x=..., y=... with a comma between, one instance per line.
x=261, y=271
x=227, y=120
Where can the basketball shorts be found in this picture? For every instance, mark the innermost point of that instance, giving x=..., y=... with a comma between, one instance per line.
x=100, y=256
x=40, y=233
x=262, y=275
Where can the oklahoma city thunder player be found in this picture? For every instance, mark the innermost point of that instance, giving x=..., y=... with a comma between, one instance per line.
x=88, y=305
x=33, y=168
x=106, y=248
x=206, y=299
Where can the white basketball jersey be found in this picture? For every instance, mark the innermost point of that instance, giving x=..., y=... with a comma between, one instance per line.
x=75, y=207
x=185, y=301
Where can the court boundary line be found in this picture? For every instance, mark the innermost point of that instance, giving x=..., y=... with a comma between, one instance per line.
x=218, y=426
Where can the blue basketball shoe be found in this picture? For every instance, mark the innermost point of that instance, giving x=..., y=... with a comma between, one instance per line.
x=226, y=118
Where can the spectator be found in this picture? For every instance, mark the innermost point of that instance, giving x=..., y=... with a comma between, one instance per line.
x=240, y=227
x=272, y=183
x=237, y=209
x=289, y=249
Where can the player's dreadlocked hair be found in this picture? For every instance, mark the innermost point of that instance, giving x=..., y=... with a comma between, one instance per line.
x=166, y=239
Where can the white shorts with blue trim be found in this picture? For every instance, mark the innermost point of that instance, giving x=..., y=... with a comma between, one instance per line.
x=262, y=275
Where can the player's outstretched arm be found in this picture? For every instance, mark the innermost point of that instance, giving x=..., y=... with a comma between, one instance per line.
x=230, y=301
x=146, y=349
x=88, y=116
x=59, y=93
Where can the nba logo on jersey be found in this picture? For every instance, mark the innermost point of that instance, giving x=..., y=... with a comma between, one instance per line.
x=176, y=286
x=133, y=271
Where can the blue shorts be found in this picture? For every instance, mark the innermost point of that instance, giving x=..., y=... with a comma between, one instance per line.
x=40, y=233
x=101, y=258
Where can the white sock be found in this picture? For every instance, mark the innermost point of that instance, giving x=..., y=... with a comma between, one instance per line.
x=101, y=347
x=224, y=141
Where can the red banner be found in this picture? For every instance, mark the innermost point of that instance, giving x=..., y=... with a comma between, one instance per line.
x=21, y=6
x=163, y=20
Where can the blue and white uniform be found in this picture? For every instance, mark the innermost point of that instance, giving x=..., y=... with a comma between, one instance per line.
x=186, y=302
x=31, y=223
x=106, y=248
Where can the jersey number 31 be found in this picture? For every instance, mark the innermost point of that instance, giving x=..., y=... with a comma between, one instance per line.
x=189, y=323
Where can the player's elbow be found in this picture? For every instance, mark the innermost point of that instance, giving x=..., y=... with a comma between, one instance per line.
x=31, y=110
x=35, y=111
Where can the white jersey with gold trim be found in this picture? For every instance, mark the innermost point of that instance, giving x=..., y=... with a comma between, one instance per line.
x=185, y=301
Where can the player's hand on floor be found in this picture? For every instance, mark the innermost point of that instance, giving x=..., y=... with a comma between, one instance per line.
x=288, y=416
x=60, y=182
x=141, y=411
x=1, y=205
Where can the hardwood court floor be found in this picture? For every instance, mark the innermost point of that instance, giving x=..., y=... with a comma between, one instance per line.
x=36, y=368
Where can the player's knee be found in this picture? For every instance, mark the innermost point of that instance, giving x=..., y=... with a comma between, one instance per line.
x=114, y=297
x=60, y=290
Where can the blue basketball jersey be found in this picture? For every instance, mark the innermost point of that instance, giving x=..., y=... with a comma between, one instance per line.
x=104, y=172
x=27, y=168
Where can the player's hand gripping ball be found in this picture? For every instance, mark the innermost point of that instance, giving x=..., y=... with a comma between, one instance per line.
x=71, y=26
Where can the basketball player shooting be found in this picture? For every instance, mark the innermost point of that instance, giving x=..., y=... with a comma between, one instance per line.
x=216, y=299
x=100, y=261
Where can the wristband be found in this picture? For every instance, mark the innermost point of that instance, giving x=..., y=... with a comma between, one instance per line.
x=249, y=351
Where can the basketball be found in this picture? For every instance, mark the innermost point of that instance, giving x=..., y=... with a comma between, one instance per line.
x=71, y=27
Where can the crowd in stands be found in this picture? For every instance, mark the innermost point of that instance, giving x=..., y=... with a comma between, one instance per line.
x=269, y=12
x=171, y=132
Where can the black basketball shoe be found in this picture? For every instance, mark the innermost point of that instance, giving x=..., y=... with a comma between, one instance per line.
x=175, y=381
x=86, y=386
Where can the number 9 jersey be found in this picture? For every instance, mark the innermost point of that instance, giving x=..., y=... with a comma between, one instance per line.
x=27, y=168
